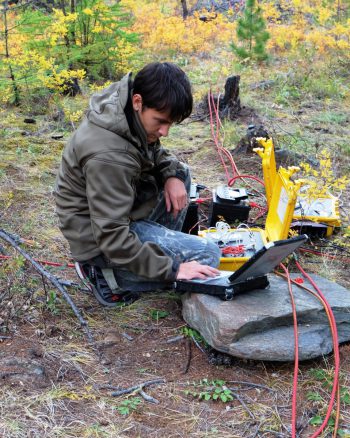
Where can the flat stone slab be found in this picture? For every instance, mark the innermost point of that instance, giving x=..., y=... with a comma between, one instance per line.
x=259, y=324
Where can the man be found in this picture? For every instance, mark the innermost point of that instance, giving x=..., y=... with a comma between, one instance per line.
x=121, y=198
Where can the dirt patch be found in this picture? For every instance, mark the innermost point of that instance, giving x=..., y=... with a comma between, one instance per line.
x=49, y=365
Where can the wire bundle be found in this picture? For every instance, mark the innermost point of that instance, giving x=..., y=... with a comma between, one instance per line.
x=335, y=387
x=232, y=173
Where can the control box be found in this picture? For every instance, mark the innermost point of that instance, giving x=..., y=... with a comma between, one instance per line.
x=239, y=244
x=229, y=205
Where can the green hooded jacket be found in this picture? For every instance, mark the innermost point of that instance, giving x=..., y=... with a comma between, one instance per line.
x=107, y=178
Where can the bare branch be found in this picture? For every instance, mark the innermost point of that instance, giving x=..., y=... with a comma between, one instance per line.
x=5, y=236
x=137, y=388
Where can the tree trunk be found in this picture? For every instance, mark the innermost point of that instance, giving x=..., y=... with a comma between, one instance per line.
x=7, y=55
x=184, y=9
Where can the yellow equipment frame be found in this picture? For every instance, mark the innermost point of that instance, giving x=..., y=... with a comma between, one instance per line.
x=330, y=202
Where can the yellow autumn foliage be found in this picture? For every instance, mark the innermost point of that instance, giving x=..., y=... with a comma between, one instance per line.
x=166, y=32
x=322, y=181
x=292, y=24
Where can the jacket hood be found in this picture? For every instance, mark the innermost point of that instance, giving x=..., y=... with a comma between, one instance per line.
x=107, y=110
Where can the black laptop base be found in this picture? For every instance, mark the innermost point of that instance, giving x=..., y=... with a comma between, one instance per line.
x=251, y=275
x=225, y=293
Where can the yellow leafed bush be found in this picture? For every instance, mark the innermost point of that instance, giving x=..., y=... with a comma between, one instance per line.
x=163, y=32
x=322, y=181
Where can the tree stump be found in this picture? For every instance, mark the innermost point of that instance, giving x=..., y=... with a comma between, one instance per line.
x=230, y=103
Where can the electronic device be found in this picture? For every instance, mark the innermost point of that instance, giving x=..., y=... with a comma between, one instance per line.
x=313, y=229
x=250, y=276
x=229, y=204
x=194, y=191
x=190, y=225
x=229, y=195
x=277, y=223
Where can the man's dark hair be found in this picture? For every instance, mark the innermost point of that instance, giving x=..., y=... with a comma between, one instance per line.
x=165, y=87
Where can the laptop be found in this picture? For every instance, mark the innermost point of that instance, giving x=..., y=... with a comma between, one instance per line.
x=252, y=275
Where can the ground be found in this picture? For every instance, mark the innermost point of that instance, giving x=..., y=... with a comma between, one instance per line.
x=55, y=384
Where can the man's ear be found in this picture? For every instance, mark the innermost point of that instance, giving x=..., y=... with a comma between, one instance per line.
x=137, y=102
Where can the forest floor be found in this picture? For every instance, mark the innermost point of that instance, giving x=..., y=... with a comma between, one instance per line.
x=54, y=384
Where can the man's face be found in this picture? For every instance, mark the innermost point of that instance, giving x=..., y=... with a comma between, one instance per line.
x=155, y=123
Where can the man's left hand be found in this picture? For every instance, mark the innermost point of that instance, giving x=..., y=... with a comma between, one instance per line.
x=175, y=195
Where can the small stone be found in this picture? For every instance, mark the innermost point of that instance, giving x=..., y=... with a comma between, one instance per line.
x=57, y=136
x=29, y=120
x=112, y=339
x=23, y=370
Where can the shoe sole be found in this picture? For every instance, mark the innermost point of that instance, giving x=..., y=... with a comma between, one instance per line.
x=92, y=288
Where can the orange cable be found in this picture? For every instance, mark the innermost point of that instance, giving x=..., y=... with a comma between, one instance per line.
x=296, y=353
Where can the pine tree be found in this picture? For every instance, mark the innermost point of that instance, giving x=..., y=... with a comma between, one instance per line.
x=251, y=33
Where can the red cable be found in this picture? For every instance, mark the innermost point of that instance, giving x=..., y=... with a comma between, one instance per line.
x=298, y=282
x=220, y=149
x=296, y=354
x=336, y=352
x=233, y=250
x=218, y=123
x=232, y=180
x=214, y=136
x=328, y=256
x=43, y=262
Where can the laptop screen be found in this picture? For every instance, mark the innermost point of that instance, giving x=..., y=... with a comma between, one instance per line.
x=267, y=258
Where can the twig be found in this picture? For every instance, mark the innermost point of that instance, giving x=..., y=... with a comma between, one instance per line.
x=5, y=236
x=257, y=430
x=137, y=387
x=250, y=413
x=189, y=355
x=174, y=339
x=128, y=337
x=197, y=344
x=136, y=327
x=44, y=286
x=69, y=283
x=257, y=385
x=148, y=397
x=197, y=119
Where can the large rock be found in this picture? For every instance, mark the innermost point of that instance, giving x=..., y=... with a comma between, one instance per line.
x=259, y=324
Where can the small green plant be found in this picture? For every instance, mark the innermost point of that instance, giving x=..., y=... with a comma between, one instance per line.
x=215, y=390
x=158, y=314
x=314, y=396
x=325, y=377
x=51, y=302
x=128, y=406
x=192, y=333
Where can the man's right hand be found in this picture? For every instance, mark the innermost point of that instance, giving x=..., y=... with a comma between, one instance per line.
x=191, y=270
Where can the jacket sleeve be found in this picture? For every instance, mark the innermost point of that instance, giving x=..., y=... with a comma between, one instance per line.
x=168, y=165
x=110, y=194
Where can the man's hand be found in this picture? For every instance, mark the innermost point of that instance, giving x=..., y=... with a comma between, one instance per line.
x=175, y=195
x=191, y=270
